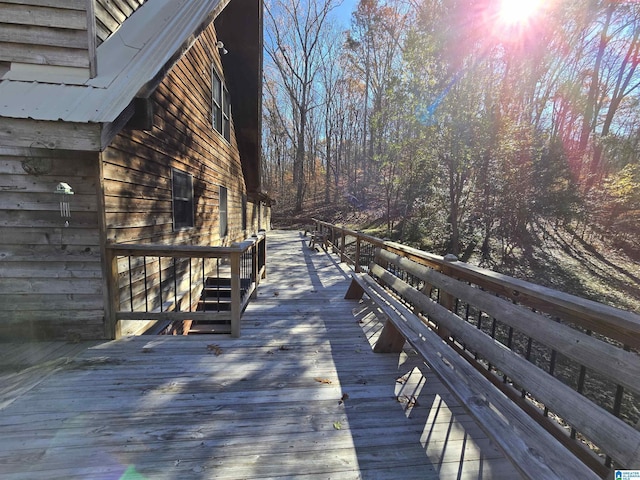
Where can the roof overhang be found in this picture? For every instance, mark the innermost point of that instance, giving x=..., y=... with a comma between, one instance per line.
x=243, y=73
x=131, y=63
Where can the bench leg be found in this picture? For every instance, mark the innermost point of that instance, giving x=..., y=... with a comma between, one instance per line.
x=354, y=292
x=390, y=340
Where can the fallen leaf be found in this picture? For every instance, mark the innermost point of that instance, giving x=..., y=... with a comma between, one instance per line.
x=284, y=347
x=411, y=401
x=345, y=397
x=337, y=425
x=322, y=380
x=275, y=294
x=214, y=349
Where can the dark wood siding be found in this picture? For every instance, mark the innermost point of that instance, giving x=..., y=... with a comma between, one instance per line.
x=50, y=275
x=137, y=165
x=137, y=169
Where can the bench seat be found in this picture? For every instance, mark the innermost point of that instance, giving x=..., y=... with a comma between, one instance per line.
x=534, y=452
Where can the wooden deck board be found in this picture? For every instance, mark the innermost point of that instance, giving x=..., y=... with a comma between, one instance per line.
x=299, y=395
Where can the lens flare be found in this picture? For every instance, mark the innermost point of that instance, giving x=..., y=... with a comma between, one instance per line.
x=514, y=12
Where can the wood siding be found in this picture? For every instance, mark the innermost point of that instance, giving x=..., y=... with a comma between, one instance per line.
x=51, y=278
x=137, y=169
x=137, y=165
x=110, y=14
x=46, y=32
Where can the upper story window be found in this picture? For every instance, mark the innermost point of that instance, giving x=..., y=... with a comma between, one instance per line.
x=182, y=194
x=221, y=105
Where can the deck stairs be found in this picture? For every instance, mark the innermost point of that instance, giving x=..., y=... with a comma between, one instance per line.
x=216, y=297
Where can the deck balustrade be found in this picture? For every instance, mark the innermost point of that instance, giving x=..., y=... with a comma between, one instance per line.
x=606, y=371
x=165, y=283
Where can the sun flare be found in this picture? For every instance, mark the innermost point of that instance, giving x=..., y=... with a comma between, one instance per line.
x=513, y=12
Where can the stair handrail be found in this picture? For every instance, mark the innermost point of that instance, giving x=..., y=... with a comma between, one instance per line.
x=234, y=253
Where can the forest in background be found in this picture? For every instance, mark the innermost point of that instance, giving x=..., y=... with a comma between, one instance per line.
x=454, y=128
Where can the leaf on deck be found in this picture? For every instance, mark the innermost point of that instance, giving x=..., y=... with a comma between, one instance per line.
x=214, y=349
x=322, y=380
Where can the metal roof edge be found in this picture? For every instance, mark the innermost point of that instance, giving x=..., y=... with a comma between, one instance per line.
x=137, y=61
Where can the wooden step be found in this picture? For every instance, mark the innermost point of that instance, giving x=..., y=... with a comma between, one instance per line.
x=217, y=291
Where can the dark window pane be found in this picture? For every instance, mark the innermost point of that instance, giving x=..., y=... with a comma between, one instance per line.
x=221, y=106
x=223, y=211
x=182, y=191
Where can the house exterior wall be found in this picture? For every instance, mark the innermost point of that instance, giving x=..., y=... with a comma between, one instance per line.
x=137, y=175
x=137, y=165
x=50, y=274
x=53, y=282
x=52, y=32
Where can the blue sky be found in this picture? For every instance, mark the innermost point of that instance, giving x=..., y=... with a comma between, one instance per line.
x=343, y=12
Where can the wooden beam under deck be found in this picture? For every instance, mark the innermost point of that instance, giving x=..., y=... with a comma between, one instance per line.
x=299, y=395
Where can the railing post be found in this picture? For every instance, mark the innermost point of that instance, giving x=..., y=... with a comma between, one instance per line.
x=447, y=300
x=342, y=242
x=262, y=249
x=112, y=300
x=357, y=259
x=235, y=294
x=255, y=269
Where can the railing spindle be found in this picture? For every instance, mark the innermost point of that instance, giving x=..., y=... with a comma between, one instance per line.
x=130, y=285
x=160, y=279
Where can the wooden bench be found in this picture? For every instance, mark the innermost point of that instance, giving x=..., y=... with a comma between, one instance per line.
x=318, y=238
x=428, y=326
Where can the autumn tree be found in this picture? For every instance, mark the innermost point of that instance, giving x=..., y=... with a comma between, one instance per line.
x=294, y=44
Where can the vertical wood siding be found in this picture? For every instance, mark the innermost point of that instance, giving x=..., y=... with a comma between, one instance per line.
x=45, y=32
x=50, y=275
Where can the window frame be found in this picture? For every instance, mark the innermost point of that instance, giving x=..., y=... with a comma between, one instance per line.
x=244, y=212
x=220, y=105
x=223, y=211
x=177, y=198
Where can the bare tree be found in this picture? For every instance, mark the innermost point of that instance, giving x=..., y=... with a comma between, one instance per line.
x=294, y=45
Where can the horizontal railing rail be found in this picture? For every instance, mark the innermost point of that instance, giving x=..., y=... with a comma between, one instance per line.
x=609, y=380
x=164, y=283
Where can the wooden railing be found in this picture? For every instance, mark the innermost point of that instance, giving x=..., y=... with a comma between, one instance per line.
x=163, y=283
x=609, y=376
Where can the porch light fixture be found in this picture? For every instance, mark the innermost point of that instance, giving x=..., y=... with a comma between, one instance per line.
x=220, y=46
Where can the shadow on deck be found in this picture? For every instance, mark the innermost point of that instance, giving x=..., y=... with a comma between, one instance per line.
x=299, y=395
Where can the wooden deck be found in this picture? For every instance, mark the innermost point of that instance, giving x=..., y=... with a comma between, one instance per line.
x=299, y=395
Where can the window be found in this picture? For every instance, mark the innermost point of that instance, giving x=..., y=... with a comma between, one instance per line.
x=182, y=192
x=223, y=212
x=244, y=212
x=221, y=105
